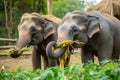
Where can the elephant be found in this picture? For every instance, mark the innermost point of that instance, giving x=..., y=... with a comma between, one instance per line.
x=36, y=31
x=99, y=33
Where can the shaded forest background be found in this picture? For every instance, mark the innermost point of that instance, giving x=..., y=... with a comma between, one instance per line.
x=12, y=10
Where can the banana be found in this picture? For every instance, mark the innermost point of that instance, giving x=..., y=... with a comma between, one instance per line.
x=18, y=51
x=66, y=43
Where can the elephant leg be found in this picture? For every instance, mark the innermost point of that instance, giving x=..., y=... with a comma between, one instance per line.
x=44, y=59
x=86, y=54
x=36, y=58
x=104, y=53
x=116, y=55
x=105, y=50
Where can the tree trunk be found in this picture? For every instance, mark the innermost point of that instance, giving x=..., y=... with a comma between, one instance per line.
x=10, y=18
x=9, y=30
x=38, y=6
x=6, y=16
x=49, y=6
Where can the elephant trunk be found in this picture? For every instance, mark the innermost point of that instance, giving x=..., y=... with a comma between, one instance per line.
x=24, y=39
x=54, y=54
x=59, y=51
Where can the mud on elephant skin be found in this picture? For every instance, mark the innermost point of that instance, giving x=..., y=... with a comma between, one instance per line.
x=37, y=31
x=101, y=35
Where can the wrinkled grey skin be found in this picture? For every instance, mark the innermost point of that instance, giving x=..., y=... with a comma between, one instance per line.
x=100, y=34
x=36, y=31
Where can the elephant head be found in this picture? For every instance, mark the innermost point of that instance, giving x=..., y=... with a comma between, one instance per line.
x=77, y=26
x=33, y=29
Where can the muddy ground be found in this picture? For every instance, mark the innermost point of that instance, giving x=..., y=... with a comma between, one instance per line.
x=25, y=61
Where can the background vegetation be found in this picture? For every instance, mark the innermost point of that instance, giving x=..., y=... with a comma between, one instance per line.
x=12, y=10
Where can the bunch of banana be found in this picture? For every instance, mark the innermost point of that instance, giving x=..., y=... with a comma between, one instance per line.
x=68, y=44
x=63, y=59
x=14, y=52
x=65, y=43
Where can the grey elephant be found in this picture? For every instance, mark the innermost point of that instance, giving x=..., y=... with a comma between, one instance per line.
x=99, y=33
x=37, y=31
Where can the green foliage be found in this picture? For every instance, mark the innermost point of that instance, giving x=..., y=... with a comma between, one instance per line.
x=18, y=8
x=106, y=70
x=60, y=7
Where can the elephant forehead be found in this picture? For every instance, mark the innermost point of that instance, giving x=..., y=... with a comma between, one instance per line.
x=29, y=22
x=26, y=25
x=75, y=18
x=28, y=17
x=25, y=17
x=32, y=20
x=79, y=17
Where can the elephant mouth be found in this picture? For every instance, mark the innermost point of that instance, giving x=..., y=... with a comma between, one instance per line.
x=33, y=42
x=78, y=45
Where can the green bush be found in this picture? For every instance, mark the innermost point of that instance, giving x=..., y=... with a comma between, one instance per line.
x=106, y=70
x=61, y=7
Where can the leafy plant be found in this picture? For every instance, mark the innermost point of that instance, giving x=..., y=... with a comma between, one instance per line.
x=60, y=7
x=106, y=70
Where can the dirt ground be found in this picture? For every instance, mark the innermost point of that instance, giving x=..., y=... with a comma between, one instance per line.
x=25, y=61
x=9, y=63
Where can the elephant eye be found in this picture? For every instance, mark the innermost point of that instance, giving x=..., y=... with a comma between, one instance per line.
x=74, y=28
x=33, y=28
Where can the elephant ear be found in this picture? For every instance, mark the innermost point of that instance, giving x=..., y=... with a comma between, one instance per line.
x=49, y=29
x=94, y=26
